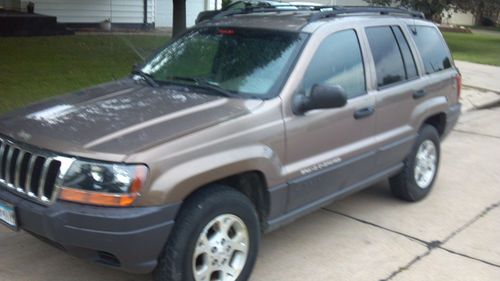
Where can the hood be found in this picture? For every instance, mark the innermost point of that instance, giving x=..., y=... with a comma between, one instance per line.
x=119, y=118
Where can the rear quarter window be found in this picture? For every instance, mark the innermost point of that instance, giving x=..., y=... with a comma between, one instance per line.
x=432, y=49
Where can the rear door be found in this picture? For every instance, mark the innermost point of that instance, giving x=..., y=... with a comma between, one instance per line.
x=331, y=149
x=437, y=62
x=398, y=89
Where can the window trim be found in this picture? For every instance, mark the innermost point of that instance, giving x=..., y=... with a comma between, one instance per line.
x=401, y=51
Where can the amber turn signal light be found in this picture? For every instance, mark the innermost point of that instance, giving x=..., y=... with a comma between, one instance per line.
x=97, y=198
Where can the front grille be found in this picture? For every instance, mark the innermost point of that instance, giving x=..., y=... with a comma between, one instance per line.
x=29, y=172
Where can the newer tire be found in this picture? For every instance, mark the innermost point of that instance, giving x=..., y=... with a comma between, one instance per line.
x=416, y=179
x=216, y=237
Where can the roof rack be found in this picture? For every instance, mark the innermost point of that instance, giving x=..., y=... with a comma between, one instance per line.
x=331, y=11
x=322, y=11
x=250, y=10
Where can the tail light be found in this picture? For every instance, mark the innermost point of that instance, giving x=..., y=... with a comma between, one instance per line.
x=459, y=85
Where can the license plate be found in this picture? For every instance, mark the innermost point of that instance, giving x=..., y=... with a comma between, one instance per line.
x=8, y=215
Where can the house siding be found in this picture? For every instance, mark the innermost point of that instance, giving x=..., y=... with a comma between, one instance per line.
x=458, y=18
x=92, y=11
x=160, y=12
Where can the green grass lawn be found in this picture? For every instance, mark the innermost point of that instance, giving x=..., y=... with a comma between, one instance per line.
x=488, y=28
x=478, y=48
x=35, y=68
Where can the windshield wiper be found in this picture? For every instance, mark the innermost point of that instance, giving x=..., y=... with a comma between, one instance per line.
x=146, y=77
x=200, y=82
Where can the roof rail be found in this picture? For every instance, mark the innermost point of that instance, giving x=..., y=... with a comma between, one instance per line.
x=331, y=11
x=322, y=11
x=250, y=10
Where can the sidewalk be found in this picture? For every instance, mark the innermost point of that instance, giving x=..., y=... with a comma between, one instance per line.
x=481, y=87
x=480, y=76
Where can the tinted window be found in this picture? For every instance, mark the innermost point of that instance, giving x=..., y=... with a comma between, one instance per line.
x=388, y=60
x=338, y=61
x=432, y=49
x=409, y=61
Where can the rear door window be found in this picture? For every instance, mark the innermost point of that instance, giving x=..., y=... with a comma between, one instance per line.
x=393, y=59
x=432, y=48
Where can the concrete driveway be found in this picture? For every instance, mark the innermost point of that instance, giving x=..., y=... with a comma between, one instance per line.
x=452, y=235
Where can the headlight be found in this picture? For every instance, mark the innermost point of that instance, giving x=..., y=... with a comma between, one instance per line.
x=102, y=184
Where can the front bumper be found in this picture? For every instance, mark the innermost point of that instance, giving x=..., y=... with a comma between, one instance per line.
x=130, y=239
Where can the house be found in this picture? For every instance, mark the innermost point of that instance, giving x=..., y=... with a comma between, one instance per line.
x=459, y=18
x=131, y=13
x=456, y=18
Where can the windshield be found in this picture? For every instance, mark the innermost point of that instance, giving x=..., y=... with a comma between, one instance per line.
x=235, y=60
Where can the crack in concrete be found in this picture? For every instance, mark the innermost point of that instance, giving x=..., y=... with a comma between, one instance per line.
x=436, y=244
x=469, y=257
x=425, y=243
x=472, y=221
x=408, y=265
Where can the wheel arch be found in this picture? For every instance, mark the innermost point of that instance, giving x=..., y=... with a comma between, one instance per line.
x=438, y=121
x=249, y=170
x=250, y=183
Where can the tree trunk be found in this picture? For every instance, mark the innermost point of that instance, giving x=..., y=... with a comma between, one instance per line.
x=479, y=13
x=179, y=25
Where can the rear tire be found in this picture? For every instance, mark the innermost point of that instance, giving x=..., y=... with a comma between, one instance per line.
x=417, y=178
x=210, y=226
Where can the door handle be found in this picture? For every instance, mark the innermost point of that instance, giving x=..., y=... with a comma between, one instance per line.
x=364, y=112
x=419, y=94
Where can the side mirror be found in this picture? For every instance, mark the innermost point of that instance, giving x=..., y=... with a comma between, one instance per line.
x=321, y=97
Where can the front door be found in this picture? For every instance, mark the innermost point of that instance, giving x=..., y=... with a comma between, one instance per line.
x=331, y=150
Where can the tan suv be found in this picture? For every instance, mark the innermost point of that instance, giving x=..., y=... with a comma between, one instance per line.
x=243, y=124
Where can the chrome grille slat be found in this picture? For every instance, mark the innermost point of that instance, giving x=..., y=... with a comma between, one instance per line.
x=2, y=151
x=30, y=172
x=20, y=158
x=3, y=161
x=27, y=184
x=8, y=163
x=43, y=179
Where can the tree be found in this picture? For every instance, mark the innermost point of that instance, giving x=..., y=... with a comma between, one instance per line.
x=432, y=9
x=480, y=8
x=179, y=10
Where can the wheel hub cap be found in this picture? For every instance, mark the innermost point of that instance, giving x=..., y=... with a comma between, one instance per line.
x=425, y=164
x=221, y=249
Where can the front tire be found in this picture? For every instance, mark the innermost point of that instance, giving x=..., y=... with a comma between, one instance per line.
x=216, y=237
x=417, y=178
